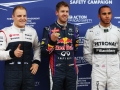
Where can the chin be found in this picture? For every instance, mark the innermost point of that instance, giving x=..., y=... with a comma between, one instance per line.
x=107, y=23
x=64, y=21
x=21, y=26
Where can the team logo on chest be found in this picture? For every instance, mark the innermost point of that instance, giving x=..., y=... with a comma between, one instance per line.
x=65, y=41
x=14, y=36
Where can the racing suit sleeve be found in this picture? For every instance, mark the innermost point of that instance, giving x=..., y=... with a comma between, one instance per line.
x=47, y=45
x=36, y=50
x=77, y=41
x=5, y=55
x=119, y=46
x=88, y=48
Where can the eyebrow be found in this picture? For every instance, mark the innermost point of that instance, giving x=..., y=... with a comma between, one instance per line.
x=106, y=13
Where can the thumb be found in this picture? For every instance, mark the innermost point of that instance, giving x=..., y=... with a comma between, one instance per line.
x=31, y=68
x=54, y=31
x=19, y=46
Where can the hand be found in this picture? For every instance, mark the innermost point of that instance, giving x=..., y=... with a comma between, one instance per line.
x=18, y=53
x=54, y=35
x=34, y=68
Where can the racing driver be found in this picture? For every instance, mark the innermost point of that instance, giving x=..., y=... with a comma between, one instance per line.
x=60, y=42
x=16, y=44
x=102, y=49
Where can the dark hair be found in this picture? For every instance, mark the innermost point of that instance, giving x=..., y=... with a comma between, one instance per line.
x=104, y=6
x=62, y=3
x=18, y=7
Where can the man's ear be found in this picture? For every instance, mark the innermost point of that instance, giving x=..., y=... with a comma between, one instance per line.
x=98, y=16
x=56, y=12
x=13, y=16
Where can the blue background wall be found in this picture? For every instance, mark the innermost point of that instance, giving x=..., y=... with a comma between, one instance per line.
x=42, y=13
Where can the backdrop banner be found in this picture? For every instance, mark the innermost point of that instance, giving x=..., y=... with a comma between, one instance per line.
x=41, y=13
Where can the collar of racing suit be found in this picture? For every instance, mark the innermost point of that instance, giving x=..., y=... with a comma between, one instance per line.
x=105, y=28
x=19, y=29
x=63, y=26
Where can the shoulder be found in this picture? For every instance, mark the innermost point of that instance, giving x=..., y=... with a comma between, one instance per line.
x=71, y=25
x=48, y=28
x=30, y=28
x=115, y=28
x=93, y=28
x=6, y=28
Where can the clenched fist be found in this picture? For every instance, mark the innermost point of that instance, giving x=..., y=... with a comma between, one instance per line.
x=54, y=35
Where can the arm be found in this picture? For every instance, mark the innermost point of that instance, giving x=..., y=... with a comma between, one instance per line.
x=119, y=44
x=36, y=57
x=5, y=55
x=87, y=48
x=47, y=45
x=77, y=41
x=36, y=50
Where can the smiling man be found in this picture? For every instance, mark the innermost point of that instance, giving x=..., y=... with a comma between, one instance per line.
x=60, y=42
x=102, y=50
x=17, y=43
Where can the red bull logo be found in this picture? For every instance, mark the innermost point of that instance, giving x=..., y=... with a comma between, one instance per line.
x=66, y=45
x=50, y=47
x=64, y=40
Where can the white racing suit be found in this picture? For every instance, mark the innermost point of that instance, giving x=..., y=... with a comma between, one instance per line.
x=18, y=75
x=101, y=49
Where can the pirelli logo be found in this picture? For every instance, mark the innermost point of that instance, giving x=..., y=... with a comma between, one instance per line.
x=105, y=50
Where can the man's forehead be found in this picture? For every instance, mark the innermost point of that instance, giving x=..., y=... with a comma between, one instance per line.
x=106, y=9
x=106, y=12
x=63, y=8
x=20, y=10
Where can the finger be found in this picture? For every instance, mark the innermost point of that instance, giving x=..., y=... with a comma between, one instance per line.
x=33, y=72
x=20, y=51
x=20, y=54
x=31, y=68
x=19, y=46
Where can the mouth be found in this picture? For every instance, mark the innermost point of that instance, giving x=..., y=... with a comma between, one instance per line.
x=22, y=21
x=107, y=19
x=64, y=17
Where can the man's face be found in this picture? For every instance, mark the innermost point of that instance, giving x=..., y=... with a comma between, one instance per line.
x=62, y=13
x=105, y=15
x=20, y=18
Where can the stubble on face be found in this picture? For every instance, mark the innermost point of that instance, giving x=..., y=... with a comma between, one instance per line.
x=105, y=16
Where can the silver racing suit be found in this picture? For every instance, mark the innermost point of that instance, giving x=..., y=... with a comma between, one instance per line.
x=101, y=49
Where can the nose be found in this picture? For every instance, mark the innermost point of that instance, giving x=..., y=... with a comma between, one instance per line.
x=23, y=17
x=107, y=15
x=65, y=13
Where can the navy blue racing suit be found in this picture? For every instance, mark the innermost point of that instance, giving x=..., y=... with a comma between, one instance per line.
x=63, y=69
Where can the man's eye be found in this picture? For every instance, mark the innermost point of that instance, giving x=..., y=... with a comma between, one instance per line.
x=19, y=16
x=104, y=13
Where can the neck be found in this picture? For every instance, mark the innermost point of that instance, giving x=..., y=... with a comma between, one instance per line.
x=18, y=26
x=104, y=25
x=62, y=23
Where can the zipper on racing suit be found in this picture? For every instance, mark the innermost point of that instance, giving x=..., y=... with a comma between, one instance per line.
x=64, y=29
x=22, y=63
x=105, y=32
